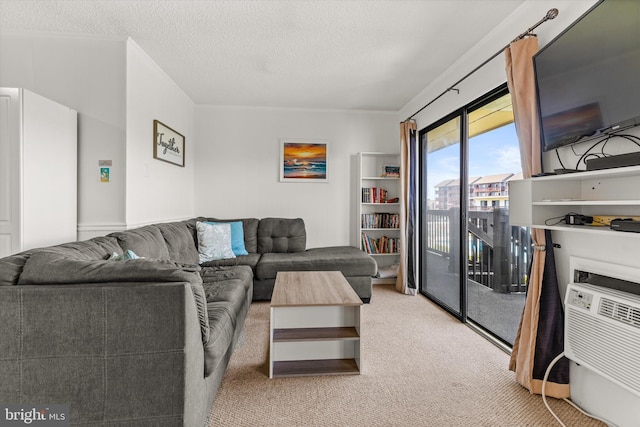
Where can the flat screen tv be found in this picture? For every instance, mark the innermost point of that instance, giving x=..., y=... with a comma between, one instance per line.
x=588, y=77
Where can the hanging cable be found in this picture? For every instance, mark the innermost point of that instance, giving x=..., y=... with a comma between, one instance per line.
x=546, y=404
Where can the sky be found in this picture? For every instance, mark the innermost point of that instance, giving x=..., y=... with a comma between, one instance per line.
x=490, y=153
x=308, y=152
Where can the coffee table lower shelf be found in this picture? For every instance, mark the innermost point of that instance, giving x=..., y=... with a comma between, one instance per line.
x=314, y=325
x=303, y=368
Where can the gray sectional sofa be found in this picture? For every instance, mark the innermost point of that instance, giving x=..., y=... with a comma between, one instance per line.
x=143, y=341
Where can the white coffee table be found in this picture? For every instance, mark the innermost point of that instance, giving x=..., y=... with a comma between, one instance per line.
x=315, y=325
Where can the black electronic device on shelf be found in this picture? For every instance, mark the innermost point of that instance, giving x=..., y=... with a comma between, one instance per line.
x=618, y=161
x=625, y=224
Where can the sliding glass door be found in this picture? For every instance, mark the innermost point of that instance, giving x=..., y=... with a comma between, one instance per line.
x=472, y=262
x=441, y=184
x=498, y=253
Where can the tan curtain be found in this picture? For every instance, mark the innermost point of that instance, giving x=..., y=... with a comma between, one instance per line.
x=407, y=134
x=520, y=79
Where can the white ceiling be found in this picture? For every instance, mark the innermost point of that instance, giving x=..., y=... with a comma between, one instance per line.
x=352, y=54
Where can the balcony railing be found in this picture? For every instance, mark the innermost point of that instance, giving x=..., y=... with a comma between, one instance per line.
x=498, y=254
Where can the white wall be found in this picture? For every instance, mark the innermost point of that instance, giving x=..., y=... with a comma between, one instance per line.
x=590, y=391
x=88, y=75
x=237, y=165
x=156, y=191
x=118, y=91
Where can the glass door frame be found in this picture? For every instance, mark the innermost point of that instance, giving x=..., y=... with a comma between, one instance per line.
x=463, y=114
x=461, y=315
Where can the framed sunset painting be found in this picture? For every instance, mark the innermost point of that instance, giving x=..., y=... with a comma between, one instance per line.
x=303, y=160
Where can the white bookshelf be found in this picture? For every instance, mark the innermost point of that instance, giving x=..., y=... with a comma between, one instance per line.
x=371, y=174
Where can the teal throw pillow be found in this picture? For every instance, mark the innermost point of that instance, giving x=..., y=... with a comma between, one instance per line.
x=237, y=237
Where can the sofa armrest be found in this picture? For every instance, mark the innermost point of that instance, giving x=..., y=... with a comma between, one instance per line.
x=113, y=351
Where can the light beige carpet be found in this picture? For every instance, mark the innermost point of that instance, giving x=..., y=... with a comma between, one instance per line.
x=421, y=368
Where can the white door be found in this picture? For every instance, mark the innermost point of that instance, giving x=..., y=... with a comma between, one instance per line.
x=49, y=172
x=10, y=162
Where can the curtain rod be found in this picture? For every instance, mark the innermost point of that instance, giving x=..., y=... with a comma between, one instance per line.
x=551, y=14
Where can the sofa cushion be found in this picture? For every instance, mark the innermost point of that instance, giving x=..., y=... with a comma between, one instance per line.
x=349, y=260
x=250, y=229
x=214, y=241
x=227, y=292
x=230, y=284
x=191, y=226
x=222, y=328
x=181, y=243
x=281, y=235
x=48, y=268
x=11, y=268
x=232, y=291
x=250, y=260
x=212, y=276
x=144, y=241
x=96, y=248
x=93, y=249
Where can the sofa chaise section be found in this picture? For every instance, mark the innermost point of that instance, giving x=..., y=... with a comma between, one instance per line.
x=282, y=243
x=356, y=266
x=279, y=244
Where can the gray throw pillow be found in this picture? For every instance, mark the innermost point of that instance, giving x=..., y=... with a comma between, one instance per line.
x=214, y=241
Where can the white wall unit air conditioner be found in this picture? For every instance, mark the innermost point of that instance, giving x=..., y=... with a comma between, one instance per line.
x=602, y=326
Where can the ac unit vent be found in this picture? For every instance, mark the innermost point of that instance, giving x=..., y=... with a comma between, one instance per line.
x=607, y=307
x=620, y=312
x=606, y=340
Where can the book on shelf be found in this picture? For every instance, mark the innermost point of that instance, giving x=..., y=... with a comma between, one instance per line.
x=380, y=220
x=374, y=195
x=391, y=171
x=381, y=245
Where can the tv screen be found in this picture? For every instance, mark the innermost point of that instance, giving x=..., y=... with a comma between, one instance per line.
x=588, y=77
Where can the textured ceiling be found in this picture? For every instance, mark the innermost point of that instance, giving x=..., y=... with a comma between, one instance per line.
x=358, y=54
